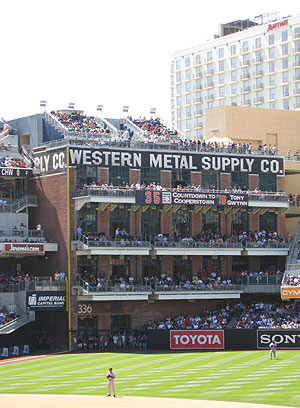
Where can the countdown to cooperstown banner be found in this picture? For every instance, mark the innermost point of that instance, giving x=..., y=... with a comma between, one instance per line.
x=148, y=197
x=54, y=160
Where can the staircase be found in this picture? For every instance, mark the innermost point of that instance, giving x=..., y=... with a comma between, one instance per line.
x=292, y=267
x=18, y=205
x=17, y=323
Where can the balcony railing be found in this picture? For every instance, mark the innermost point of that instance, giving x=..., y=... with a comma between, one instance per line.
x=19, y=234
x=258, y=280
x=40, y=283
x=105, y=288
x=12, y=206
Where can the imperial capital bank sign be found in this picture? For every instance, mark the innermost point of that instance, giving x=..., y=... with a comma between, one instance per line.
x=197, y=339
x=54, y=160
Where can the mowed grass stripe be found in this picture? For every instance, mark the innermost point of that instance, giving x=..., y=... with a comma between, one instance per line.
x=229, y=376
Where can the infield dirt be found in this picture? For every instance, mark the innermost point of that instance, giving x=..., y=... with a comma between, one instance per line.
x=80, y=401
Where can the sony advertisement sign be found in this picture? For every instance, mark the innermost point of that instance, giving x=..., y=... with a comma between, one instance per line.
x=197, y=339
x=46, y=300
x=54, y=160
x=150, y=197
x=285, y=338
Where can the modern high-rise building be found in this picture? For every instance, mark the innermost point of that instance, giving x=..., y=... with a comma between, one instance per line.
x=255, y=64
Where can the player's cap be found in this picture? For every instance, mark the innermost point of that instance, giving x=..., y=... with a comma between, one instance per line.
x=110, y=368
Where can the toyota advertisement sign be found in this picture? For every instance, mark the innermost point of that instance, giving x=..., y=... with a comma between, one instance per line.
x=285, y=339
x=197, y=340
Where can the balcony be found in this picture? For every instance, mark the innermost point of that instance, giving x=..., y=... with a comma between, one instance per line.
x=246, y=63
x=210, y=72
x=257, y=73
x=296, y=77
x=246, y=103
x=246, y=89
x=259, y=284
x=209, y=85
x=198, y=112
x=258, y=60
x=297, y=105
x=16, y=205
x=198, y=100
x=296, y=50
x=258, y=86
x=244, y=50
x=246, y=76
x=198, y=125
x=258, y=100
x=296, y=92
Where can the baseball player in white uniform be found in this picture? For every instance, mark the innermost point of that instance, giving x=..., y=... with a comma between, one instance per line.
x=111, y=382
x=273, y=347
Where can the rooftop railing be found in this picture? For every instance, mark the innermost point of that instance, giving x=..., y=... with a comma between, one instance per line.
x=38, y=283
x=21, y=234
x=9, y=206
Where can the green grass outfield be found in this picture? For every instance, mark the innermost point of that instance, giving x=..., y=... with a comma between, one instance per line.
x=227, y=376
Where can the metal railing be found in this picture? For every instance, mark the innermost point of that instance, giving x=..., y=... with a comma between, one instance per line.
x=107, y=242
x=106, y=141
x=194, y=244
x=16, y=233
x=16, y=205
x=184, y=287
x=38, y=283
x=16, y=323
x=119, y=288
x=258, y=280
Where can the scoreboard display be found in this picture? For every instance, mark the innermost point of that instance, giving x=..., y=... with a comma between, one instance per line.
x=153, y=197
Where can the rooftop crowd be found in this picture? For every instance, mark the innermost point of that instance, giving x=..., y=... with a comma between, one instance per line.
x=4, y=126
x=6, y=315
x=9, y=161
x=291, y=280
x=79, y=123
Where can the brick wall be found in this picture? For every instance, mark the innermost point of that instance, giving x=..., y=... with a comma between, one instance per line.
x=197, y=265
x=166, y=223
x=196, y=178
x=167, y=265
x=254, y=263
x=103, y=221
x=166, y=178
x=281, y=224
x=254, y=222
x=253, y=182
x=280, y=183
x=196, y=224
x=134, y=176
x=103, y=175
x=225, y=224
x=225, y=181
x=135, y=222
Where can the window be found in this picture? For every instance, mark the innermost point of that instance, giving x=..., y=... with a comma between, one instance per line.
x=285, y=90
x=199, y=122
x=198, y=72
x=246, y=60
x=178, y=101
x=285, y=49
x=119, y=218
x=200, y=134
x=188, y=87
x=88, y=264
x=298, y=102
x=272, y=66
x=187, y=62
x=180, y=176
x=285, y=63
x=297, y=61
x=199, y=110
x=272, y=105
x=246, y=73
x=247, y=86
x=234, y=101
x=188, y=112
x=198, y=59
x=233, y=62
x=297, y=46
x=179, y=113
x=172, y=116
x=221, y=79
x=198, y=96
x=284, y=35
x=209, y=55
x=267, y=182
x=188, y=74
x=271, y=39
x=118, y=175
x=179, y=125
x=178, y=76
x=87, y=219
x=188, y=124
x=210, y=81
x=210, y=221
x=259, y=70
x=87, y=322
x=210, y=179
x=233, y=49
x=210, y=94
x=150, y=174
x=258, y=43
x=286, y=104
x=221, y=102
x=239, y=222
x=259, y=83
x=297, y=88
x=267, y=222
x=297, y=72
x=86, y=174
x=233, y=76
x=272, y=80
x=221, y=65
x=271, y=53
x=188, y=99
x=285, y=77
x=172, y=68
x=233, y=89
x=221, y=91
x=272, y=93
x=181, y=224
x=210, y=68
x=245, y=46
x=178, y=64
x=178, y=89
x=247, y=99
x=198, y=84
x=120, y=322
x=297, y=32
x=258, y=56
x=221, y=52
x=150, y=222
x=210, y=105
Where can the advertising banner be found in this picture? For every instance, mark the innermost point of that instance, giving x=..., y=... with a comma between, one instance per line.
x=150, y=197
x=46, y=300
x=290, y=292
x=285, y=339
x=197, y=339
x=54, y=160
x=32, y=249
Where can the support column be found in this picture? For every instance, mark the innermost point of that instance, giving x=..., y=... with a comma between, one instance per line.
x=253, y=182
x=103, y=175
x=281, y=224
x=134, y=176
x=166, y=178
x=280, y=183
x=196, y=224
x=167, y=265
x=225, y=181
x=103, y=222
x=166, y=223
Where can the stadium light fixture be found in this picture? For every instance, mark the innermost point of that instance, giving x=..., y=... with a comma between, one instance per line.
x=152, y=111
x=125, y=109
x=99, y=108
x=71, y=105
